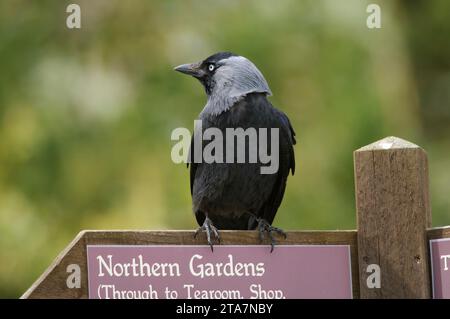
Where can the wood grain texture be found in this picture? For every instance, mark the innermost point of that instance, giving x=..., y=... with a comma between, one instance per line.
x=52, y=284
x=438, y=232
x=393, y=212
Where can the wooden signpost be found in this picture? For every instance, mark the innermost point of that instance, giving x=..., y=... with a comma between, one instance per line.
x=388, y=256
x=55, y=281
x=393, y=213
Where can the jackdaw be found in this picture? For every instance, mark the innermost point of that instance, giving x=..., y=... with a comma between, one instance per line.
x=238, y=195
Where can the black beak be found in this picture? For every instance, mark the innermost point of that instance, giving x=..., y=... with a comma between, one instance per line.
x=192, y=69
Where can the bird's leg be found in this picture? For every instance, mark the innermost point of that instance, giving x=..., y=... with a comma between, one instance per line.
x=264, y=226
x=209, y=229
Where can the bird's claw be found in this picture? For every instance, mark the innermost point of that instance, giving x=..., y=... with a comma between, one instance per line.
x=264, y=226
x=209, y=229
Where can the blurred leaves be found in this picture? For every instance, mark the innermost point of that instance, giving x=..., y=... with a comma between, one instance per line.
x=86, y=115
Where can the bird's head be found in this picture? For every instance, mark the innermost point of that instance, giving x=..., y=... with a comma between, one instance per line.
x=227, y=78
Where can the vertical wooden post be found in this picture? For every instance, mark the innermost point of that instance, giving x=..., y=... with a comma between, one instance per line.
x=393, y=212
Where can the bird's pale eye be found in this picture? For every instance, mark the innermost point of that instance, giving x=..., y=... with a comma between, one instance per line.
x=211, y=67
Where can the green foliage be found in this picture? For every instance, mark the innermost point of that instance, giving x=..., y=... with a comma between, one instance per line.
x=86, y=115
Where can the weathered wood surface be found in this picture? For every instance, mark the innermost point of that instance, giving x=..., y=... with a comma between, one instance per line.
x=393, y=212
x=52, y=284
x=438, y=232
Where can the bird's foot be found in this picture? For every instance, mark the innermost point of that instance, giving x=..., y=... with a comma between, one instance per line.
x=264, y=226
x=210, y=230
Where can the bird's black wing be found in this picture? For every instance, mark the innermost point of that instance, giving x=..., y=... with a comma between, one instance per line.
x=286, y=164
x=290, y=133
x=192, y=164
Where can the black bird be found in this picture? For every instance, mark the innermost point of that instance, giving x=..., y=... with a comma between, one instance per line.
x=236, y=195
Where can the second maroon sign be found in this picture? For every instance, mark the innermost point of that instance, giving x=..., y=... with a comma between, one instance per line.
x=151, y=272
x=440, y=265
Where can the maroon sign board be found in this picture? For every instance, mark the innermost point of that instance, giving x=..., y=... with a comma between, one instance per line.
x=238, y=272
x=440, y=267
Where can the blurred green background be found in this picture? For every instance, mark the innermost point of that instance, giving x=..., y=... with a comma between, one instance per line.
x=86, y=115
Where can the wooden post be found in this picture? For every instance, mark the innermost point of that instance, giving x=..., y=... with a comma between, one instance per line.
x=393, y=213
